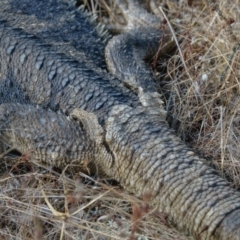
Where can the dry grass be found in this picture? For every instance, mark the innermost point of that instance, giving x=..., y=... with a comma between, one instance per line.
x=202, y=87
x=201, y=91
x=36, y=203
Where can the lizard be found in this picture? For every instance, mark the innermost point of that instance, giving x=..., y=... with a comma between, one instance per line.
x=58, y=99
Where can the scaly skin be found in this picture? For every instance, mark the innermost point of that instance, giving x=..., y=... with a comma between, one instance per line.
x=150, y=159
x=133, y=144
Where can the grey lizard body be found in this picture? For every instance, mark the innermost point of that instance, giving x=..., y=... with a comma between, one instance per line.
x=56, y=61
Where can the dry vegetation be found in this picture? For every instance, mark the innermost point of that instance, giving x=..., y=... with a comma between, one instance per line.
x=201, y=91
x=203, y=84
x=38, y=203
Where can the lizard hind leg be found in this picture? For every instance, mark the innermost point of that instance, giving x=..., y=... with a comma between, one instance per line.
x=127, y=52
x=50, y=138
